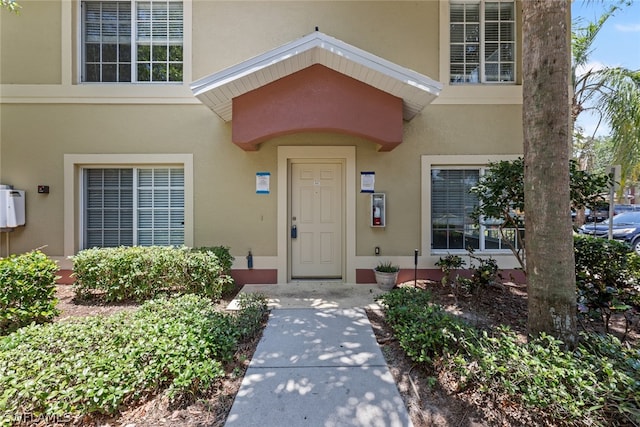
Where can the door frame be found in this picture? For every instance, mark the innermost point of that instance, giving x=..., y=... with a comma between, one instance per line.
x=348, y=156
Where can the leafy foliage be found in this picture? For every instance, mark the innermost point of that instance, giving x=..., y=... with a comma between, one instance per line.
x=387, y=267
x=602, y=277
x=500, y=195
x=594, y=385
x=28, y=290
x=485, y=273
x=253, y=308
x=422, y=328
x=141, y=273
x=610, y=93
x=222, y=253
x=448, y=264
x=598, y=384
x=96, y=365
x=633, y=268
x=11, y=6
x=617, y=369
x=622, y=111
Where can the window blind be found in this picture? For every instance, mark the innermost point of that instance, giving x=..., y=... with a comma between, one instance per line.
x=126, y=41
x=114, y=197
x=482, y=41
x=451, y=207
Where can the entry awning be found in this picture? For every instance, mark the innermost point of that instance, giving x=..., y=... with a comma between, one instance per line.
x=217, y=91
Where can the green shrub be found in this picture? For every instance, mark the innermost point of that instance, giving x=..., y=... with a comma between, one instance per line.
x=424, y=330
x=598, y=384
x=633, y=267
x=141, y=273
x=97, y=365
x=253, y=309
x=617, y=368
x=28, y=290
x=448, y=264
x=387, y=267
x=485, y=273
x=538, y=374
x=602, y=272
x=222, y=253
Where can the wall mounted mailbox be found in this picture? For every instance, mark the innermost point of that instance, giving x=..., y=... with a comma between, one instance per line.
x=12, y=212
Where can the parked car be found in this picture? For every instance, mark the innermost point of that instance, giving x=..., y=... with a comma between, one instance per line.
x=592, y=215
x=601, y=213
x=625, y=208
x=626, y=227
x=597, y=215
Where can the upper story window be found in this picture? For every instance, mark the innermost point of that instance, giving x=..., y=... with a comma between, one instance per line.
x=482, y=41
x=132, y=41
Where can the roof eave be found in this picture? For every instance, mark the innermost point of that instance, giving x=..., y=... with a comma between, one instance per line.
x=218, y=89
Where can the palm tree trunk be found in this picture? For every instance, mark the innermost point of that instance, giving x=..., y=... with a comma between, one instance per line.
x=546, y=121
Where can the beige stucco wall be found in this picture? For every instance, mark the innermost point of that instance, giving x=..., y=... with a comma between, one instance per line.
x=30, y=44
x=439, y=130
x=43, y=119
x=231, y=32
x=226, y=209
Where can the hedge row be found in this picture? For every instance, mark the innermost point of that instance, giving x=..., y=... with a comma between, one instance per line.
x=142, y=273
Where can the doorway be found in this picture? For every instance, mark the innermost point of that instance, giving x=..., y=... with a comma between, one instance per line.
x=316, y=219
x=319, y=155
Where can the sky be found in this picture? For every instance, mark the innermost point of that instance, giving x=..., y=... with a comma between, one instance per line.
x=617, y=43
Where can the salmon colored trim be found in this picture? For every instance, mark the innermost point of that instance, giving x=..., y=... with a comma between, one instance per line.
x=258, y=277
x=64, y=277
x=270, y=276
x=317, y=99
x=407, y=275
x=241, y=277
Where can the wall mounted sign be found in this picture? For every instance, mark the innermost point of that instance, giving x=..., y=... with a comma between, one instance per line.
x=262, y=182
x=367, y=182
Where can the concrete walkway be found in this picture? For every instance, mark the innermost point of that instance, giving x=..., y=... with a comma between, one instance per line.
x=306, y=294
x=318, y=367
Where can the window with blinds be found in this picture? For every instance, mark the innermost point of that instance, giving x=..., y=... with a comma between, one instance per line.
x=482, y=41
x=133, y=206
x=160, y=207
x=132, y=41
x=452, y=226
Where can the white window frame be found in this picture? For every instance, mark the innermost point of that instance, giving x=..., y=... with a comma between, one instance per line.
x=429, y=162
x=73, y=165
x=473, y=94
x=135, y=208
x=482, y=77
x=134, y=43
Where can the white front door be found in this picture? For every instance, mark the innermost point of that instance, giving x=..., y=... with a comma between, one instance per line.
x=316, y=220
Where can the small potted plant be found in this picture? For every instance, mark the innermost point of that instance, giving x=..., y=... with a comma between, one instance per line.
x=386, y=275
